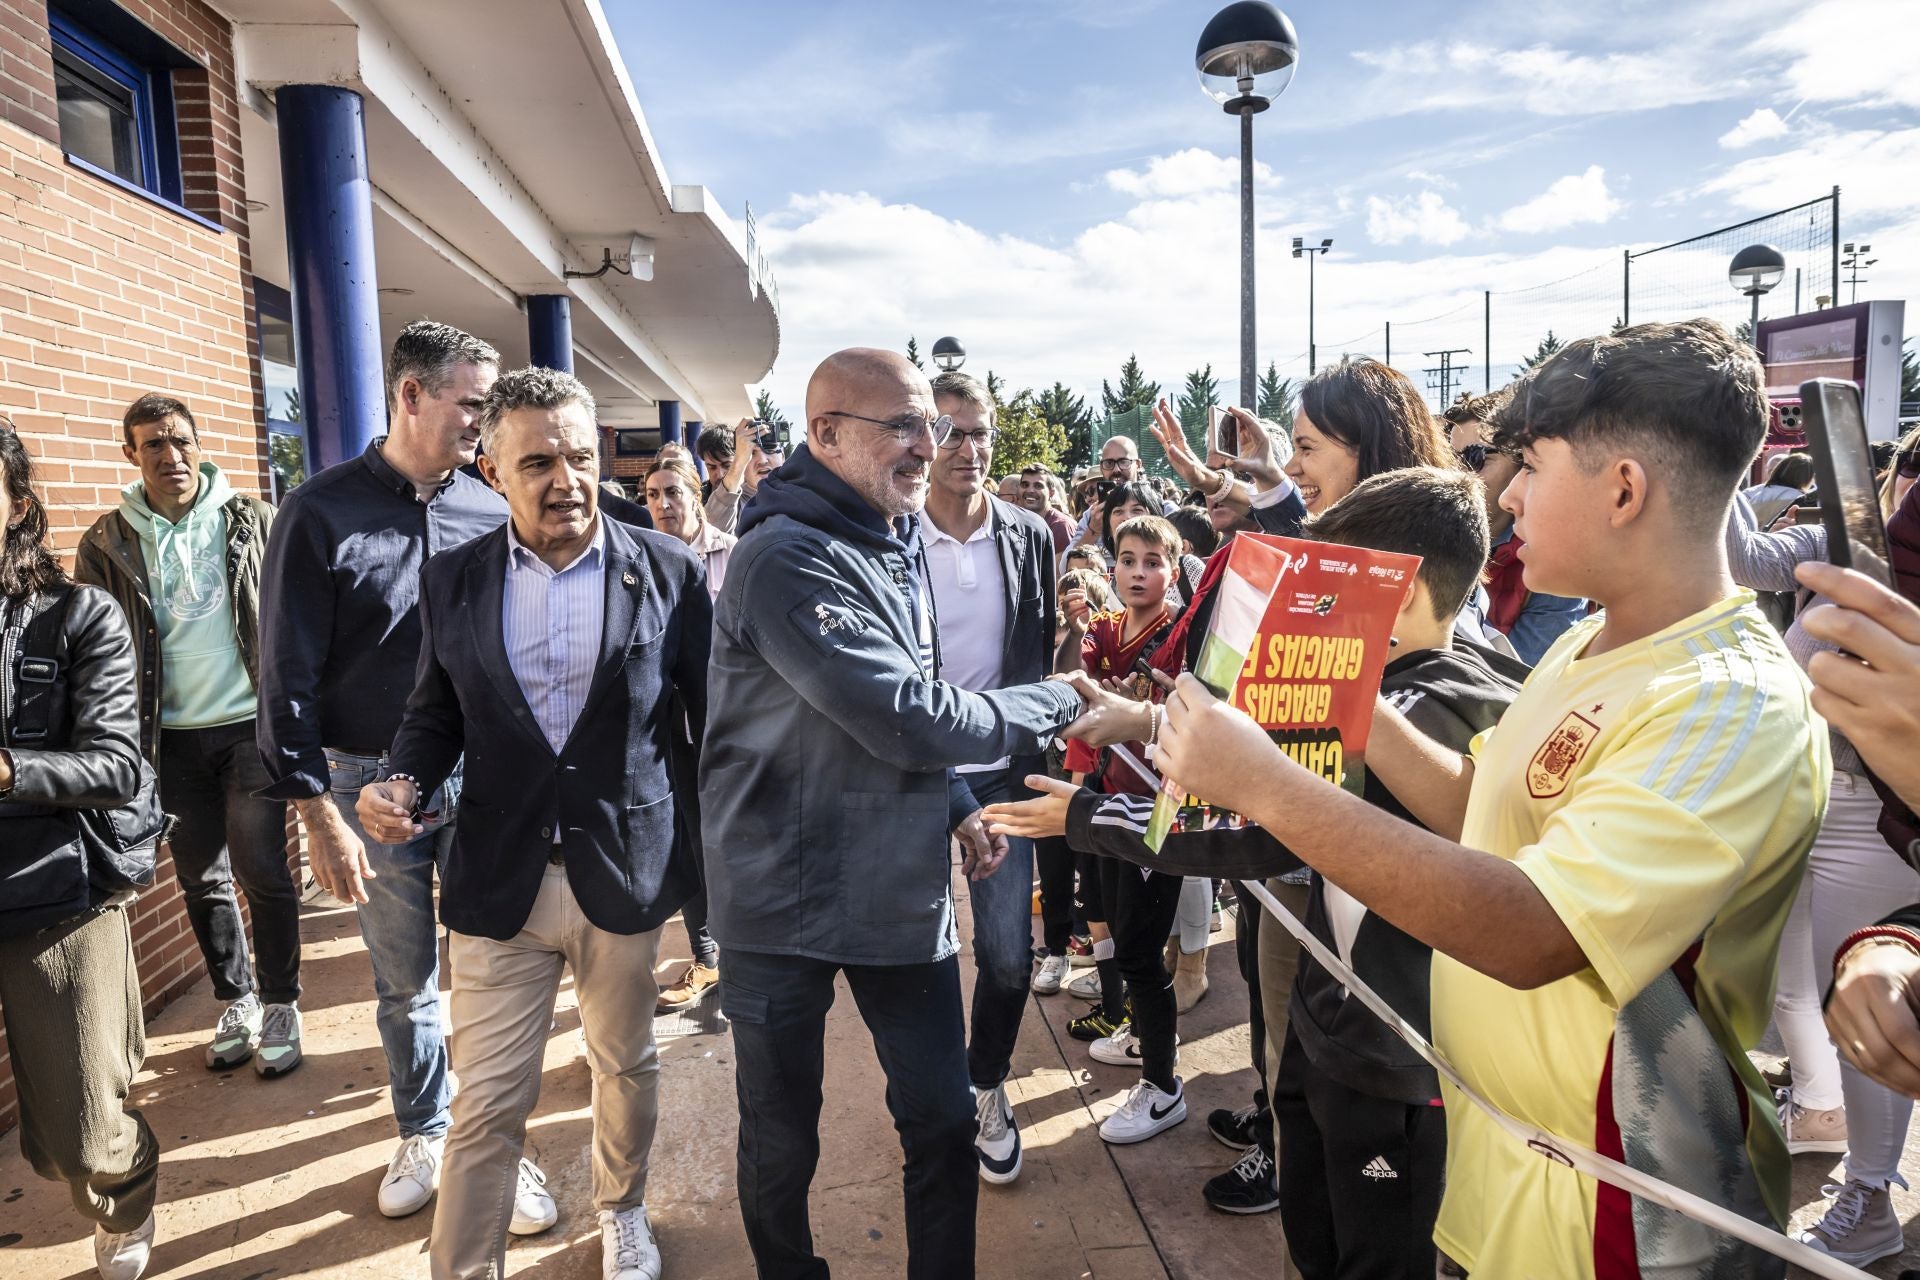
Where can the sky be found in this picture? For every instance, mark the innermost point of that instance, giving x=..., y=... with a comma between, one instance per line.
x=1046, y=181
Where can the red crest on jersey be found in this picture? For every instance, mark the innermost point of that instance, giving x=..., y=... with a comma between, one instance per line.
x=1553, y=763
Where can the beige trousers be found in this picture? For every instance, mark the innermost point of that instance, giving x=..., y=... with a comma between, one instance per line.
x=501, y=1010
x=1279, y=961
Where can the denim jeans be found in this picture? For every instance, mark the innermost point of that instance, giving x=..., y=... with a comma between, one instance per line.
x=1002, y=942
x=227, y=833
x=403, y=944
x=777, y=1005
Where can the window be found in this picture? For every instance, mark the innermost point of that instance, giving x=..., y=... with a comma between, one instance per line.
x=280, y=379
x=116, y=104
x=635, y=443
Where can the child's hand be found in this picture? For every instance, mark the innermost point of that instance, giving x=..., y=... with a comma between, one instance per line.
x=1046, y=815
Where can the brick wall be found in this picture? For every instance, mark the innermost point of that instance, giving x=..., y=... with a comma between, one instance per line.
x=105, y=296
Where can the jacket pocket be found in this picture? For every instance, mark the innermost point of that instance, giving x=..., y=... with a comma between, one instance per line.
x=647, y=829
x=893, y=855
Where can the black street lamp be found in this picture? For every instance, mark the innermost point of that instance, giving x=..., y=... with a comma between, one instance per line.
x=1311, y=251
x=949, y=354
x=1246, y=58
x=1754, y=271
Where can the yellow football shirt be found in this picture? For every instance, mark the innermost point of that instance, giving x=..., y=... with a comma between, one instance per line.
x=1662, y=798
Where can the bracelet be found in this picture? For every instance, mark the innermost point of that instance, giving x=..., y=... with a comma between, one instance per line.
x=1153, y=723
x=1888, y=934
x=402, y=777
x=1226, y=486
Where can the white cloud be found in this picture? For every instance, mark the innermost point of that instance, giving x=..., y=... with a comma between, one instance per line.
x=1848, y=51
x=1874, y=167
x=1570, y=201
x=1426, y=217
x=1194, y=171
x=1440, y=75
x=1760, y=126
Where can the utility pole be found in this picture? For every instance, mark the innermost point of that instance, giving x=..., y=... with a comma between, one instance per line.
x=1441, y=377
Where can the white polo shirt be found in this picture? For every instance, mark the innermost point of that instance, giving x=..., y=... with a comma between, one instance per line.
x=970, y=602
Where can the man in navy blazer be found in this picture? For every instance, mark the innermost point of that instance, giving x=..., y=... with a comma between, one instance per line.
x=565, y=655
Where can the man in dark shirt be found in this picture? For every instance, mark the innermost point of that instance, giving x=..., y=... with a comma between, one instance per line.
x=339, y=640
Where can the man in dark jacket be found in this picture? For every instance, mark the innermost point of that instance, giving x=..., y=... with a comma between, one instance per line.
x=182, y=556
x=828, y=797
x=565, y=655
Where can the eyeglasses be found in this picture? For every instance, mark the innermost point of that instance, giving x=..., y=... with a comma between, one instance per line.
x=958, y=439
x=905, y=432
x=1108, y=464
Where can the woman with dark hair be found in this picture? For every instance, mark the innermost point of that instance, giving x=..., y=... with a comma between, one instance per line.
x=1141, y=498
x=1357, y=419
x=68, y=990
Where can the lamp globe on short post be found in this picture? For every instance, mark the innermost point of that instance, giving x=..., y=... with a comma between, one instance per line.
x=949, y=354
x=1754, y=271
x=1246, y=59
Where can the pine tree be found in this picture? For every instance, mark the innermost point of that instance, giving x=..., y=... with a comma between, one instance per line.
x=1548, y=345
x=1202, y=392
x=765, y=410
x=1134, y=390
x=1068, y=412
x=995, y=385
x=913, y=352
x=1278, y=396
x=1023, y=436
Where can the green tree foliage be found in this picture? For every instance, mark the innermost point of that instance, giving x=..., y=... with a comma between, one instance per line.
x=1068, y=412
x=1278, y=400
x=768, y=412
x=1548, y=345
x=288, y=456
x=1024, y=436
x=996, y=386
x=1201, y=393
x=1133, y=392
x=913, y=351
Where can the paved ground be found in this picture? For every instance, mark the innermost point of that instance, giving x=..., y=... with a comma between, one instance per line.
x=276, y=1178
x=269, y=1179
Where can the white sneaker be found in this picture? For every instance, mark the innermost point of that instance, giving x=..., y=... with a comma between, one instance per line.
x=412, y=1177
x=533, y=1208
x=123, y=1255
x=1122, y=1048
x=1048, y=977
x=1145, y=1112
x=627, y=1250
x=1086, y=986
x=998, y=1142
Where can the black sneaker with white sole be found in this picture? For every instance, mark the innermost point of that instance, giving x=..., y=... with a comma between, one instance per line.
x=1239, y=1129
x=1246, y=1188
x=997, y=1138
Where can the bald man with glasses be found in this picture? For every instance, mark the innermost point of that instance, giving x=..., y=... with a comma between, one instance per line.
x=829, y=799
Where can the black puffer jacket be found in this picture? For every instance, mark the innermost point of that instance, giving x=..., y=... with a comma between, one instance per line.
x=89, y=760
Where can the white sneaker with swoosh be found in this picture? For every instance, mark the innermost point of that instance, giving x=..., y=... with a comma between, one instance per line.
x=1145, y=1111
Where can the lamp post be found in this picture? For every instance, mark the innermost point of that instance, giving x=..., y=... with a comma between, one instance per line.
x=1311, y=252
x=1753, y=271
x=1246, y=58
x=1854, y=261
x=949, y=354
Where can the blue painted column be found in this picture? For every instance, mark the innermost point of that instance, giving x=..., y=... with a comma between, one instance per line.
x=669, y=422
x=336, y=317
x=550, y=330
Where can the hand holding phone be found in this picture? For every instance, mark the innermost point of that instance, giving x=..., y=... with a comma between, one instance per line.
x=1843, y=467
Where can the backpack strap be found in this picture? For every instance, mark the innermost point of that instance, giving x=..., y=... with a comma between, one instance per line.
x=43, y=653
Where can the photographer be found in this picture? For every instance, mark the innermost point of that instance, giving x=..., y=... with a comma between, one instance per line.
x=737, y=465
x=68, y=988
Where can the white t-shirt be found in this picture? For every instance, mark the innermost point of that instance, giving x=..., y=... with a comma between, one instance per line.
x=970, y=606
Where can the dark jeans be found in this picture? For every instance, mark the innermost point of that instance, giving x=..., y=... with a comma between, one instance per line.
x=1054, y=859
x=1360, y=1177
x=226, y=833
x=778, y=1006
x=1002, y=942
x=1141, y=908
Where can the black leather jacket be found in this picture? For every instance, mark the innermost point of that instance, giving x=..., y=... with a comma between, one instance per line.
x=91, y=759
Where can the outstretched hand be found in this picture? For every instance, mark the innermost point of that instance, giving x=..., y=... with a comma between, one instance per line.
x=1110, y=717
x=1044, y=815
x=1173, y=441
x=1215, y=750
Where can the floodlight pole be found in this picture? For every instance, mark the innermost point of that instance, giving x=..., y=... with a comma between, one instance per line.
x=1249, y=380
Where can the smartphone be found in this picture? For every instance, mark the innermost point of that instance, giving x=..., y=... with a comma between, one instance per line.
x=1221, y=436
x=1843, y=471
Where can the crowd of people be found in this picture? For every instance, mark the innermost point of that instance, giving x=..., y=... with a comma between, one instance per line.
x=780, y=695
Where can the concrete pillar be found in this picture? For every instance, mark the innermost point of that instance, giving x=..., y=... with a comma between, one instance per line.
x=550, y=330
x=336, y=318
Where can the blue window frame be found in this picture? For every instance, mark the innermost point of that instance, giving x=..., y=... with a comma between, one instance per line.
x=116, y=109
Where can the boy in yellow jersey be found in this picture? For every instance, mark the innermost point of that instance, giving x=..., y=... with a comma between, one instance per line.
x=1607, y=871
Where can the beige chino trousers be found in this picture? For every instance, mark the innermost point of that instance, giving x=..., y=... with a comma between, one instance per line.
x=501, y=1010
